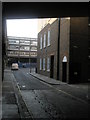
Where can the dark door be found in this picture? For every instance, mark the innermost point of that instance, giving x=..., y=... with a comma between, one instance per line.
x=75, y=72
x=64, y=71
x=52, y=67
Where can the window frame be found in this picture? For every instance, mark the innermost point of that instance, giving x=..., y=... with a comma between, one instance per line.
x=44, y=63
x=48, y=64
x=44, y=40
x=41, y=45
x=48, y=40
x=40, y=67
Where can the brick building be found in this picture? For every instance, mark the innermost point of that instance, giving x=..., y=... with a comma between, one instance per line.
x=47, y=48
x=63, y=50
x=43, y=22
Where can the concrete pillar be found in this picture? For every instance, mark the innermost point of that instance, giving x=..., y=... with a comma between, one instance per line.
x=0, y=60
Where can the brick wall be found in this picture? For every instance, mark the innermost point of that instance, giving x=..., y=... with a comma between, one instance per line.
x=49, y=50
x=64, y=44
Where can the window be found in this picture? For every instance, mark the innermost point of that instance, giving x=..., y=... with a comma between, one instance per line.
x=44, y=43
x=13, y=53
x=48, y=42
x=48, y=64
x=33, y=54
x=33, y=43
x=13, y=41
x=43, y=63
x=13, y=47
x=26, y=48
x=40, y=64
x=41, y=42
x=33, y=48
x=24, y=53
x=24, y=42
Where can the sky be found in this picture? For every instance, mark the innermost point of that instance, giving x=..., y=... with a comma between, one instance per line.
x=22, y=27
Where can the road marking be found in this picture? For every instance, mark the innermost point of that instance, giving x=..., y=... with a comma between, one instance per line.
x=64, y=92
x=23, y=86
x=72, y=96
x=59, y=90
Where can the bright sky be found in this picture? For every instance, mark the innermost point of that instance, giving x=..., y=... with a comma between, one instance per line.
x=22, y=27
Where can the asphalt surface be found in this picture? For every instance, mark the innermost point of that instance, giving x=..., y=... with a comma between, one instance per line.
x=43, y=101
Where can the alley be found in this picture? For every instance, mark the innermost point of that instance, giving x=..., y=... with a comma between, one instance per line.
x=43, y=101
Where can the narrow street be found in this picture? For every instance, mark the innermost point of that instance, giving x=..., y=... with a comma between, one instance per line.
x=45, y=101
x=45, y=61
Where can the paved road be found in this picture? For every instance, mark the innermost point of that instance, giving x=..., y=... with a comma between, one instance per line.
x=43, y=101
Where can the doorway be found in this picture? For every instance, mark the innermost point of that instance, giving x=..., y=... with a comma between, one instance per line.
x=64, y=71
x=52, y=67
x=75, y=72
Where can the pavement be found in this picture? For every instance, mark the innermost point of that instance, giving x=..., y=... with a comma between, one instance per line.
x=13, y=105
x=58, y=82
x=47, y=79
x=9, y=101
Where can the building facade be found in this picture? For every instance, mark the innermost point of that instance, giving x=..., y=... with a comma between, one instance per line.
x=22, y=50
x=65, y=57
x=78, y=49
x=43, y=22
x=47, y=49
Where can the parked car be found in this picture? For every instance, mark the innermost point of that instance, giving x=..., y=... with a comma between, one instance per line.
x=14, y=66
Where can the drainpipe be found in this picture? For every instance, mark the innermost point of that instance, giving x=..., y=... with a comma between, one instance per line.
x=58, y=50
x=3, y=43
